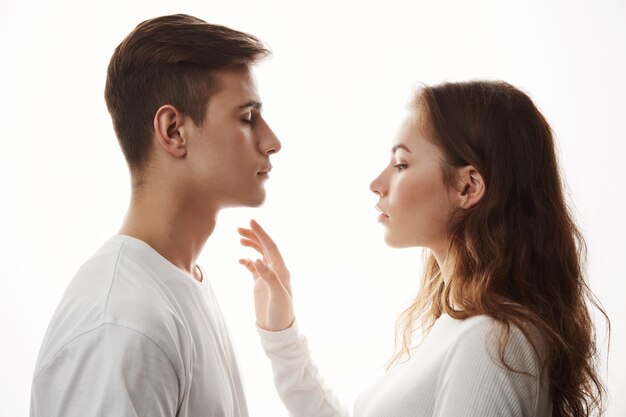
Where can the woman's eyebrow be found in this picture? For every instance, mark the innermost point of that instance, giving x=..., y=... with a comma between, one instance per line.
x=400, y=146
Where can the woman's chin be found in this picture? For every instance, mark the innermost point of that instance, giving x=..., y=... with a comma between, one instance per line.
x=397, y=243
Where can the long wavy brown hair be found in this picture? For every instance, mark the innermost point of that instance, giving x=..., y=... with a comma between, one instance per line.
x=518, y=255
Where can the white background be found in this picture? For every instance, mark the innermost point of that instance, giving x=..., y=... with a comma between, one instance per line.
x=334, y=92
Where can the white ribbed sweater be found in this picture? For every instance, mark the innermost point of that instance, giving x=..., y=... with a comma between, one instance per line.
x=454, y=372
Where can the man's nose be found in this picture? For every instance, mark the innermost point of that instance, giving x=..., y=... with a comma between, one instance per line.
x=269, y=143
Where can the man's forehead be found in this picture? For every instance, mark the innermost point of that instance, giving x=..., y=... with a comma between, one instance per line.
x=238, y=87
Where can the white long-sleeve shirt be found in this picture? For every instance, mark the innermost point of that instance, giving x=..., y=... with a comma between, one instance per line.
x=454, y=372
x=136, y=336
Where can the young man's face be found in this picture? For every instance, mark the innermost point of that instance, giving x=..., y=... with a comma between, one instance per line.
x=229, y=154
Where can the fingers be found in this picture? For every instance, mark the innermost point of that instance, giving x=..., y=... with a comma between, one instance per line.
x=267, y=275
x=252, y=244
x=259, y=269
x=263, y=243
x=251, y=237
x=258, y=239
x=262, y=235
x=250, y=267
x=247, y=233
x=266, y=241
x=257, y=233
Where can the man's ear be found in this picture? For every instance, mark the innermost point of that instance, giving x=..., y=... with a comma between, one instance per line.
x=167, y=127
x=471, y=187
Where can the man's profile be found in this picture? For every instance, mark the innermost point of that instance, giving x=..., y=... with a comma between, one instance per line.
x=138, y=330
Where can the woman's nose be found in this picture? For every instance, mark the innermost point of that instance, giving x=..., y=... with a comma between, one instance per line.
x=376, y=187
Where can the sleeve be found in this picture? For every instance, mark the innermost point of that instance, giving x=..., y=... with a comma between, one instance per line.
x=109, y=371
x=297, y=380
x=474, y=383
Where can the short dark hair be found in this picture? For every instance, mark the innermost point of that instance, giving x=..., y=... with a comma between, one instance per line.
x=169, y=60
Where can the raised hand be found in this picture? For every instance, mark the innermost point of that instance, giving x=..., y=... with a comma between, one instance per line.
x=272, y=287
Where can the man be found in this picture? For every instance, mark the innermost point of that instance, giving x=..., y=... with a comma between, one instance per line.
x=138, y=331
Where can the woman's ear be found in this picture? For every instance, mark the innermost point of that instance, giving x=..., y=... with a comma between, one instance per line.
x=167, y=127
x=471, y=187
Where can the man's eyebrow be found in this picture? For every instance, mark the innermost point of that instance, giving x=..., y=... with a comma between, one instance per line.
x=252, y=103
x=400, y=146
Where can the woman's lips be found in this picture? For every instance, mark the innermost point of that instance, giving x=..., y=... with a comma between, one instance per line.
x=382, y=216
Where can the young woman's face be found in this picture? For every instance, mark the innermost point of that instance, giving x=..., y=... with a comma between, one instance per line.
x=415, y=204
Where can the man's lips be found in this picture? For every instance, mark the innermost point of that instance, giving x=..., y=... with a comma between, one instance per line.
x=265, y=170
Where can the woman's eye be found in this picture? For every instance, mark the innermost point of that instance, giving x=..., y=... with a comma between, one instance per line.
x=400, y=167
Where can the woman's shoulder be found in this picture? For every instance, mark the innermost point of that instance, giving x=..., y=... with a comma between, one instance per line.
x=490, y=368
x=491, y=362
x=482, y=337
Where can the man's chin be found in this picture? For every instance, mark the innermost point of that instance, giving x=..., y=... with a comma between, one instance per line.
x=257, y=203
x=255, y=200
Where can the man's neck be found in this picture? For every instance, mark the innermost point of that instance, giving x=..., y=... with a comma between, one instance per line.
x=175, y=228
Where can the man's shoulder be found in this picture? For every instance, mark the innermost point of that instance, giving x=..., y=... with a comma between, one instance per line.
x=118, y=286
x=116, y=281
x=133, y=287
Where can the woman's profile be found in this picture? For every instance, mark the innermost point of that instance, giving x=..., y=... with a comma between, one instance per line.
x=500, y=325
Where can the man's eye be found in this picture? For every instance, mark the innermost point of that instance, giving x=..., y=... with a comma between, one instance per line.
x=247, y=118
x=400, y=167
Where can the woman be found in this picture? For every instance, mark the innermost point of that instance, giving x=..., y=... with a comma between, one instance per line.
x=502, y=314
